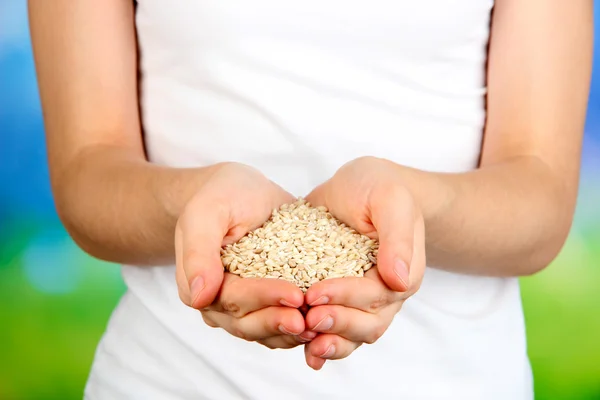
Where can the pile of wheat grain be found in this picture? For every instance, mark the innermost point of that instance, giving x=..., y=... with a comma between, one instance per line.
x=303, y=245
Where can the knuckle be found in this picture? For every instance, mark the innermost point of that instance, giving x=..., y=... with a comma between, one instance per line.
x=381, y=301
x=241, y=334
x=277, y=343
x=230, y=307
x=209, y=321
x=268, y=344
x=368, y=161
x=238, y=331
x=375, y=334
x=400, y=297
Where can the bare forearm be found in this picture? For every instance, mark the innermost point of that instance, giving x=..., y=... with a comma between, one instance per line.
x=120, y=208
x=508, y=219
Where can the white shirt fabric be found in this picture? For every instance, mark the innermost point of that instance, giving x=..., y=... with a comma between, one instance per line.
x=296, y=89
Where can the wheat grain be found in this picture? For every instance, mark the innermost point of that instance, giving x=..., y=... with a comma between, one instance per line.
x=303, y=245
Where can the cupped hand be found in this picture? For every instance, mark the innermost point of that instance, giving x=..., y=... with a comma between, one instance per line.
x=346, y=312
x=260, y=310
x=234, y=200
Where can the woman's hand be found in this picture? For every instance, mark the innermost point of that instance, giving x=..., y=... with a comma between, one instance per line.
x=346, y=312
x=260, y=310
x=234, y=200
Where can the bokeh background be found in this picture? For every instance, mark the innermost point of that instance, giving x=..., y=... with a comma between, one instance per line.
x=55, y=300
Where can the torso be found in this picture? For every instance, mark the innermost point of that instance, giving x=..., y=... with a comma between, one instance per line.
x=296, y=90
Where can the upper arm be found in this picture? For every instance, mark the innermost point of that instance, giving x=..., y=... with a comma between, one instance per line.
x=539, y=70
x=86, y=62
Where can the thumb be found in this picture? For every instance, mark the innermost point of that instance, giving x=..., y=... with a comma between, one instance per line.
x=198, y=244
x=317, y=196
x=393, y=217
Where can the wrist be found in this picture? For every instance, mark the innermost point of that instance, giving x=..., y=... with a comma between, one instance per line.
x=432, y=192
x=175, y=187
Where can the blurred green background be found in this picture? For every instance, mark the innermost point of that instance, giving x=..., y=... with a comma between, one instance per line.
x=55, y=300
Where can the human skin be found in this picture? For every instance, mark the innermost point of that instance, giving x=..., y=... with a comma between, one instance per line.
x=509, y=217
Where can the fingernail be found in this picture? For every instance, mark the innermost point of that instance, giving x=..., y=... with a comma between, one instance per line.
x=320, y=301
x=284, y=330
x=286, y=303
x=196, y=287
x=325, y=324
x=308, y=335
x=329, y=352
x=301, y=339
x=401, y=270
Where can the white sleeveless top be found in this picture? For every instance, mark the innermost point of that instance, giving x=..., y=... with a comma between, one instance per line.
x=296, y=89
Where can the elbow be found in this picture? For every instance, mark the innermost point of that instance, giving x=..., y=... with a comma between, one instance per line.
x=93, y=238
x=73, y=210
x=89, y=246
x=555, y=213
x=544, y=256
x=548, y=249
x=75, y=227
x=92, y=246
x=74, y=216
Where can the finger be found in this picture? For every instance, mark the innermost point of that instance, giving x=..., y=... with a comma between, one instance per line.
x=317, y=195
x=417, y=267
x=306, y=336
x=200, y=241
x=241, y=296
x=315, y=363
x=261, y=324
x=280, y=342
x=183, y=286
x=393, y=215
x=350, y=323
x=368, y=293
x=275, y=342
x=330, y=347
